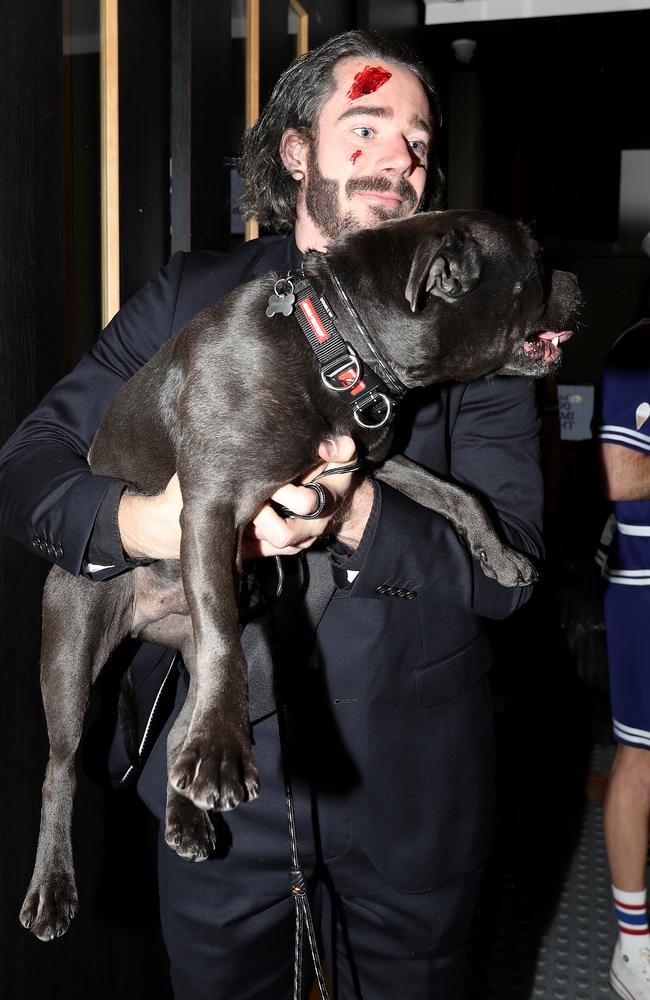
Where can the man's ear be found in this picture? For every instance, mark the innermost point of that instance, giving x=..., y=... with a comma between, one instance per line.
x=447, y=267
x=293, y=153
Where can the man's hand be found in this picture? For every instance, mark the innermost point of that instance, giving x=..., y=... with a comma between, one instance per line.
x=150, y=528
x=349, y=502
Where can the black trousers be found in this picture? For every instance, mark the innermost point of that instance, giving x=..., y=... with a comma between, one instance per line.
x=228, y=922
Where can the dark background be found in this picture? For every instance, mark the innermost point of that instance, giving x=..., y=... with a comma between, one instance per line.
x=544, y=110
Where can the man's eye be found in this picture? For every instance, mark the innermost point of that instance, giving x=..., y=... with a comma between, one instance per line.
x=419, y=146
x=364, y=132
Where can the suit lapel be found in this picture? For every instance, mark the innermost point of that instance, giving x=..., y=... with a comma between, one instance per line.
x=320, y=586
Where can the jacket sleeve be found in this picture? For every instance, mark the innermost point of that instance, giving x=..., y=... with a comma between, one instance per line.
x=493, y=449
x=49, y=499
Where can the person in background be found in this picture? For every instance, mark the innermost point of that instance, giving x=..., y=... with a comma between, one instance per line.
x=391, y=736
x=624, y=446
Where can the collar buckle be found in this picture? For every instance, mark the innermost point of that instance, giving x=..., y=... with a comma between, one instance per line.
x=342, y=374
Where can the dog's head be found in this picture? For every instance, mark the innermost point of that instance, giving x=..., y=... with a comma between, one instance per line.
x=476, y=295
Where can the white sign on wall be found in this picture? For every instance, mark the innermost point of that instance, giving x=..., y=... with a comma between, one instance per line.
x=576, y=404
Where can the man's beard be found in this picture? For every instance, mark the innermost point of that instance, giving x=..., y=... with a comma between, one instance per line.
x=322, y=200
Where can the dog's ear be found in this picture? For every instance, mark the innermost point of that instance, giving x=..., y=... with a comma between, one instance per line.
x=448, y=267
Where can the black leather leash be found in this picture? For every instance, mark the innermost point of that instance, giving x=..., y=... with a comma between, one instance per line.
x=314, y=485
x=297, y=882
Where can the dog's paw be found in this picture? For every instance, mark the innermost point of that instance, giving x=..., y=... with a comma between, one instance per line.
x=215, y=777
x=50, y=906
x=188, y=830
x=507, y=567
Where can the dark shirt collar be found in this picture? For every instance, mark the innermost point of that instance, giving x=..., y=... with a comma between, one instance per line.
x=297, y=256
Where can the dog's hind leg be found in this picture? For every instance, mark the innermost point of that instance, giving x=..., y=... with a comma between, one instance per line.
x=468, y=516
x=82, y=623
x=188, y=829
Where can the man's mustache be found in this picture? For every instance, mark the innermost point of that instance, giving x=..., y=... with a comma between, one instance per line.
x=402, y=188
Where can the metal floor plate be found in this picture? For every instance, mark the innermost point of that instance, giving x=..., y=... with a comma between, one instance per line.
x=546, y=926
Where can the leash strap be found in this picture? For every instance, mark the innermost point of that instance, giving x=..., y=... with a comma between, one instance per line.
x=318, y=490
x=297, y=883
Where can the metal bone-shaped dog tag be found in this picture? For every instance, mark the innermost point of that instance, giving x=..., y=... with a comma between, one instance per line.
x=280, y=304
x=282, y=299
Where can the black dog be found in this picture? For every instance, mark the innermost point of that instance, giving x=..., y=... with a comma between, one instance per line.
x=237, y=404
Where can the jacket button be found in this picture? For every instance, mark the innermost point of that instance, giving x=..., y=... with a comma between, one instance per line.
x=410, y=594
x=391, y=590
x=35, y=543
x=381, y=589
x=58, y=552
x=401, y=593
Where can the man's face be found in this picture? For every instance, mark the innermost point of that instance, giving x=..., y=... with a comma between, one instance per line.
x=368, y=161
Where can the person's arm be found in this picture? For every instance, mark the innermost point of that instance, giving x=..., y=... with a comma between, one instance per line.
x=623, y=420
x=494, y=451
x=49, y=500
x=625, y=473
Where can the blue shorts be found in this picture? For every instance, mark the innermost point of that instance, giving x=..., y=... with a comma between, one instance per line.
x=627, y=619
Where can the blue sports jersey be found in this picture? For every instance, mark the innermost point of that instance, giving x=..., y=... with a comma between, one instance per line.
x=624, y=554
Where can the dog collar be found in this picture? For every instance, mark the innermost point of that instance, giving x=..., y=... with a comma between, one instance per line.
x=341, y=368
x=390, y=378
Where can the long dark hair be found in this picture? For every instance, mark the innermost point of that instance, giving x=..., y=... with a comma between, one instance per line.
x=270, y=193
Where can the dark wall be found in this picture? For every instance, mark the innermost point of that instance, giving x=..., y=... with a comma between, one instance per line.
x=398, y=19
x=144, y=140
x=203, y=89
x=113, y=949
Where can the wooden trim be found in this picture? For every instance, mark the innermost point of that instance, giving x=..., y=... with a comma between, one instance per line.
x=110, y=158
x=303, y=27
x=252, y=83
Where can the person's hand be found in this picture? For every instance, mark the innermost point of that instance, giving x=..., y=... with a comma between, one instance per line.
x=149, y=525
x=270, y=534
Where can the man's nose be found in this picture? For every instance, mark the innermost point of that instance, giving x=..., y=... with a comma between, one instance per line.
x=396, y=157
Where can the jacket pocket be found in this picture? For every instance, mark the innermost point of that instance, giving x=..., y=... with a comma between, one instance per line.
x=446, y=679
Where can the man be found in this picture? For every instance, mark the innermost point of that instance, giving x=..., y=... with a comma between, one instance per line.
x=624, y=435
x=390, y=736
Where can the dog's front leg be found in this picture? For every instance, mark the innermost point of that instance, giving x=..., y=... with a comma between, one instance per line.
x=468, y=516
x=214, y=767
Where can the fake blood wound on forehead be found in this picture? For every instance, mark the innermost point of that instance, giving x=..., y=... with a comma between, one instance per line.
x=367, y=81
x=355, y=156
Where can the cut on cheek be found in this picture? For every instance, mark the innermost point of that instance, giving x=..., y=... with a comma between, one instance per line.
x=367, y=81
x=355, y=156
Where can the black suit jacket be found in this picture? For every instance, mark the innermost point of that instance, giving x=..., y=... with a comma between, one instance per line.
x=402, y=651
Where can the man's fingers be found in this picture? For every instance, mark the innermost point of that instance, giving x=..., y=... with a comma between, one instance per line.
x=339, y=449
x=298, y=499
